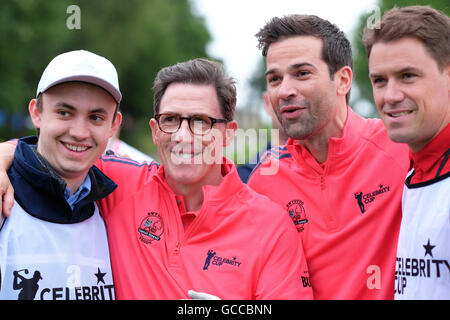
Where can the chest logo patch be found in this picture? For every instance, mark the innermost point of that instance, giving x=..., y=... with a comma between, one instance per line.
x=365, y=199
x=151, y=228
x=297, y=213
x=212, y=258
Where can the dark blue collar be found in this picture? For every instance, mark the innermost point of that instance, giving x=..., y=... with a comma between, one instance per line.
x=39, y=190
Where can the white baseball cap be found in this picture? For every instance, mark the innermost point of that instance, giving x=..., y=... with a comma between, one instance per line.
x=81, y=65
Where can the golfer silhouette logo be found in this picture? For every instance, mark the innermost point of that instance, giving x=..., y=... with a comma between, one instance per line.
x=358, y=196
x=208, y=259
x=28, y=287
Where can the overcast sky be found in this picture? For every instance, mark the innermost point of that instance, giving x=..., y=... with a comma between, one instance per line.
x=233, y=24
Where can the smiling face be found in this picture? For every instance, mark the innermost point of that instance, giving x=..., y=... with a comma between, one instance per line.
x=411, y=94
x=303, y=96
x=190, y=159
x=75, y=123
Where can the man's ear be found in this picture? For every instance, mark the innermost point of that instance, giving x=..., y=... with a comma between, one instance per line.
x=35, y=114
x=230, y=132
x=343, y=79
x=267, y=104
x=116, y=123
x=153, y=126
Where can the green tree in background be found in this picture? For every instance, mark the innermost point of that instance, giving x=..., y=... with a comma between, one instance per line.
x=361, y=69
x=30, y=34
x=138, y=36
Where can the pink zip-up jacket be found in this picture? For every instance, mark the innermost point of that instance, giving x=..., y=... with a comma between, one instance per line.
x=241, y=245
x=347, y=210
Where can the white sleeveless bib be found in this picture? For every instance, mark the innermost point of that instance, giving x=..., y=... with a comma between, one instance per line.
x=51, y=261
x=423, y=253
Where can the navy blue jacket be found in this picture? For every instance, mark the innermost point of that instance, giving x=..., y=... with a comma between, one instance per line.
x=246, y=169
x=39, y=190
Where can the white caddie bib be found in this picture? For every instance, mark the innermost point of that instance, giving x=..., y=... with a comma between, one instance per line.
x=42, y=260
x=423, y=254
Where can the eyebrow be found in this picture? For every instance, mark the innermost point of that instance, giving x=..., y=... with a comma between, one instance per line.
x=403, y=70
x=291, y=67
x=65, y=105
x=70, y=107
x=184, y=115
x=374, y=75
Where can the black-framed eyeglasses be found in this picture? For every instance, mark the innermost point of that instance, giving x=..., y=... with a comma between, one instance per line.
x=198, y=124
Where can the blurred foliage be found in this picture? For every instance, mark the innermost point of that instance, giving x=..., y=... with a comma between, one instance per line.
x=361, y=68
x=138, y=36
x=258, y=83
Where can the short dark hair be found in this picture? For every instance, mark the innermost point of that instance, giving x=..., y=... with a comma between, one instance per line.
x=428, y=25
x=336, y=49
x=198, y=71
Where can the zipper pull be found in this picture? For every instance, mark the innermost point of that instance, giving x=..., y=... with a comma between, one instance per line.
x=176, y=251
x=322, y=182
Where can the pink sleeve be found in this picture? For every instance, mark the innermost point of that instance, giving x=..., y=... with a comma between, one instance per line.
x=261, y=184
x=129, y=175
x=12, y=142
x=266, y=167
x=284, y=275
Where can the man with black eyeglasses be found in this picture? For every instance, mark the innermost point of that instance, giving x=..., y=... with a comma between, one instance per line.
x=190, y=223
x=165, y=222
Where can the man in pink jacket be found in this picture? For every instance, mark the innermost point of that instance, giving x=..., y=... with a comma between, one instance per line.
x=340, y=176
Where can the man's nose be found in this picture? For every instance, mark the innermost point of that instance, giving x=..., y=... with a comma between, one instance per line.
x=287, y=89
x=393, y=93
x=79, y=129
x=184, y=133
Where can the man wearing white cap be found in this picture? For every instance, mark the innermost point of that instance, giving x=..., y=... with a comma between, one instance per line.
x=55, y=230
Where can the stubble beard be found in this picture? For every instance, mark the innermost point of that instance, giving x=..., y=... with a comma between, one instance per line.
x=301, y=127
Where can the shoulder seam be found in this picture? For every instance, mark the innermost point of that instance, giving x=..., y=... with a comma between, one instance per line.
x=277, y=156
x=129, y=161
x=379, y=147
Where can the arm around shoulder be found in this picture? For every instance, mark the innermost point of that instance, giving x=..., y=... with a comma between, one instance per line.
x=7, y=150
x=6, y=189
x=129, y=175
